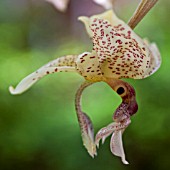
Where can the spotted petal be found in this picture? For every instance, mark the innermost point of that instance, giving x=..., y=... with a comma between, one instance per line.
x=87, y=65
x=121, y=52
x=155, y=56
x=108, y=15
x=63, y=64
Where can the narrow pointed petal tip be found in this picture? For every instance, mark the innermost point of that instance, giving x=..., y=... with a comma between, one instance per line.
x=92, y=151
x=85, y=20
x=125, y=162
x=91, y=148
x=97, y=144
x=12, y=90
x=103, y=139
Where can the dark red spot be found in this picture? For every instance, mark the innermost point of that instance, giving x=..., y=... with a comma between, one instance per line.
x=143, y=49
x=82, y=61
x=92, y=57
x=121, y=29
x=119, y=41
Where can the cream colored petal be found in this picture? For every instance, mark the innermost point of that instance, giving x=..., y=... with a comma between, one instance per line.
x=116, y=146
x=122, y=53
x=155, y=61
x=87, y=65
x=31, y=79
x=107, y=4
x=108, y=15
x=61, y=5
x=67, y=60
x=62, y=64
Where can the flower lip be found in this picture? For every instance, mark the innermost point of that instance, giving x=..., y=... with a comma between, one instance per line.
x=133, y=107
x=125, y=110
x=121, y=113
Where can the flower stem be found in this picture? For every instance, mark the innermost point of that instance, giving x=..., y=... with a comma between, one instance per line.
x=143, y=8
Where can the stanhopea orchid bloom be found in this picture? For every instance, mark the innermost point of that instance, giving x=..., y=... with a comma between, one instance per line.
x=118, y=52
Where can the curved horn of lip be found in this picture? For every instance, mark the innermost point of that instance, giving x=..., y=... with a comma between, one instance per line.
x=121, y=113
x=129, y=106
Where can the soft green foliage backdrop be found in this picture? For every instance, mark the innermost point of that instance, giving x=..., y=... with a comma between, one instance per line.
x=39, y=129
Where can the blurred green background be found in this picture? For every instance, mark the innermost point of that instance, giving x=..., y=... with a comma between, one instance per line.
x=39, y=129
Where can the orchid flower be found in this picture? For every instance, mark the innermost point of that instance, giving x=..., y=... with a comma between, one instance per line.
x=118, y=52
